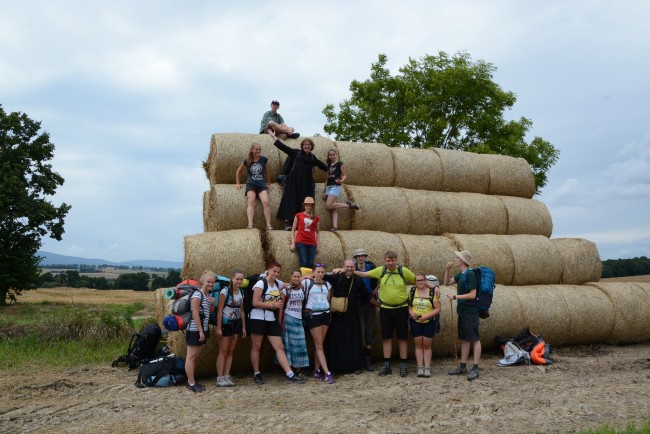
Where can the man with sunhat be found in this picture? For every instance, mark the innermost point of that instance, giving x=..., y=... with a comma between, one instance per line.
x=367, y=306
x=274, y=120
x=468, y=319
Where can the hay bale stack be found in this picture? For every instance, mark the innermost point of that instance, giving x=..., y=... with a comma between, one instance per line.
x=418, y=169
x=591, y=317
x=206, y=211
x=464, y=171
x=506, y=316
x=329, y=251
x=427, y=254
x=381, y=209
x=345, y=215
x=537, y=261
x=527, y=216
x=428, y=216
x=367, y=163
x=375, y=243
x=223, y=253
x=226, y=208
x=487, y=250
x=544, y=310
x=227, y=151
x=631, y=305
x=580, y=260
x=479, y=214
x=510, y=176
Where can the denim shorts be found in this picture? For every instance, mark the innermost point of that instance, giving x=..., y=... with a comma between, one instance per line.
x=333, y=190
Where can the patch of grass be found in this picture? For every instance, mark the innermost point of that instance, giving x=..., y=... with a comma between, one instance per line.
x=630, y=429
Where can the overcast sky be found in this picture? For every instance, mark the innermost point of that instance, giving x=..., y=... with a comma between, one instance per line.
x=131, y=92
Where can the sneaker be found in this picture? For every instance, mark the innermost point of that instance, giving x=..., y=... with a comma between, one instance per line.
x=352, y=205
x=229, y=381
x=458, y=371
x=319, y=375
x=294, y=135
x=427, y=372
x=403, y=370
x=329, y=378
x=222, y=382
x=295, y=379
x=282, y=136
x=257, y=378
x=334, y=229
x=200, y=386
x=194, y=388
x=473, y=375
x=386, y=370
x=420, y=371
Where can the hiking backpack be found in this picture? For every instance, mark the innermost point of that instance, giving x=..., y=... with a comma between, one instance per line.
x=248, y=292
x=181, y=311
x=141, y=347
x=162, y=372
x=432, y=294
x=384, y=272
x=220, y=283
x=484, y=290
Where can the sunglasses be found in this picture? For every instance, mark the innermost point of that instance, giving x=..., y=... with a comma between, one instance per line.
x=320, y=265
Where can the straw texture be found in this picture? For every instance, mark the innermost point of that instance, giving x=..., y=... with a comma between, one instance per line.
x=464, y=171
x=536, y=260
x=510, y=176
x=375, y=243
x=580, y=260
x=418, y=169
x=381, y=209
x=427, y=254
x=367, y=163
x=488, y=250
x=527, y=216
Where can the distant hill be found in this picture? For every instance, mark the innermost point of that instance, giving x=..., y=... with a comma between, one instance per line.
x=56, y=259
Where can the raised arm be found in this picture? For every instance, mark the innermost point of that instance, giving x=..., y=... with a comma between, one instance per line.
x=281, y=146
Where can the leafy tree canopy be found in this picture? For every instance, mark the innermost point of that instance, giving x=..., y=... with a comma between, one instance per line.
x=26, y=180
x=439, y=101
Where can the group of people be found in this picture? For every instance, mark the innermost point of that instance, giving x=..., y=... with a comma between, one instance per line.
x=284, y=312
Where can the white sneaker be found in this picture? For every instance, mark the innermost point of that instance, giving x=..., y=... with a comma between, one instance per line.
x=222, y=382
x=420, y=371
x=427, y=371
x=229, y=381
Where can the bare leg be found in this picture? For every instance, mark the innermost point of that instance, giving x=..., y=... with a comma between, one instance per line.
x=387, y=346
x=403, y=345
x=426, y=343
x=266, y=206
x=250, y=207
x=190, y=362
x=464, y=351
x=256, y=345
x=224, y=344
x=318, y=334
x=278, y=346
x=231, y=352
x=476, y=350
x=419, y=351
x=280, y=128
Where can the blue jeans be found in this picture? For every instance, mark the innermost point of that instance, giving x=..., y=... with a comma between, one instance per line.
x=306, y=254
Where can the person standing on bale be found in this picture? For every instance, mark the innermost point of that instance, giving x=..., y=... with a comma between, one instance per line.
x=257, y=184
x=274, y=121
x=336, y=174
x=300, y=181
x=468, y=319
x=197, y=333
x=305, y=233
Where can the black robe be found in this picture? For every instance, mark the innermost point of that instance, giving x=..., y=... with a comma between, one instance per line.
x=300, y=181
x=343, y=344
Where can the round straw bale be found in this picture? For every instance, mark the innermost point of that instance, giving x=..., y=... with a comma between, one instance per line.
x=480, y=214
x=228, y=150
x=487, y=250
x=206, y=211
x=506, y=317
x=510, y=176
x=527, y=216
x=321, y=146
x=223, y=252
x=367, y=163
x=374, y=242
x=545, y=311
x=226, y=208
x=591, y=314
x=419, y=169
x=631, y=309
x=427, y=211
x=580, y=260
x=536, y=260
x=463, y=171
x=381, y=209
x=427, y=254
x=345, y=215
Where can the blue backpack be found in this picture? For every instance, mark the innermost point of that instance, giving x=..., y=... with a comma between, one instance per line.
x=485, y=290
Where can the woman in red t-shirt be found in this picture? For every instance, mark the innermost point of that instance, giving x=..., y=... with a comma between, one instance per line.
x=304, y=234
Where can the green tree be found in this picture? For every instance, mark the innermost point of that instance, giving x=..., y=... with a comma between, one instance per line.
x=26, y=215
x=439, y=101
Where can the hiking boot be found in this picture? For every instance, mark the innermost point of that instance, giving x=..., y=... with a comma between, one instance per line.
x=352, y=205
x=194, y=388
x=427, y=372
x=329, y=378
x=287, y=225
x=228, y=379
x=294, y=135
x=257, y=378
x=458, y=371
x=222, y=382
x=295, y=379
x=369, y=364
x=473, y=375
x=403, y=370
x=386, y=370
x=420, y=371
x=318, y=375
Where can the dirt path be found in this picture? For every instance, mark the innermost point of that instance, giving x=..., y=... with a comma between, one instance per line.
x=587, y=387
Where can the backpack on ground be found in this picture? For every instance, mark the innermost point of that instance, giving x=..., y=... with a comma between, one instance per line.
x=531, y=343
x=162, y=372
x=141, y=347
x=485, y=278
x=432, y=294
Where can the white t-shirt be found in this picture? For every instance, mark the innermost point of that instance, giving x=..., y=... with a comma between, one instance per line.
x=204, y=308
x=230, y=312
x=317, y=301
x=272, y=294
x=293, y=302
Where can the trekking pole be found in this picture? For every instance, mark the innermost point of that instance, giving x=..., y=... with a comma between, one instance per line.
x=451, y=330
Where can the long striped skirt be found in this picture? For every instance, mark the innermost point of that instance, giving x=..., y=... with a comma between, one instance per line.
x=294, y=341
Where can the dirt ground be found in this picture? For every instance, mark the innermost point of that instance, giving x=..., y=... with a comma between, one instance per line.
x=586, y=388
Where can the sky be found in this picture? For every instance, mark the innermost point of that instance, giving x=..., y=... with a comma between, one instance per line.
x=130, y=93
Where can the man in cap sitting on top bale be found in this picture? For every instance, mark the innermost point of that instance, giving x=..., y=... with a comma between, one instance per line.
x=367, y=308
x=468, y=319
x=274, y=120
